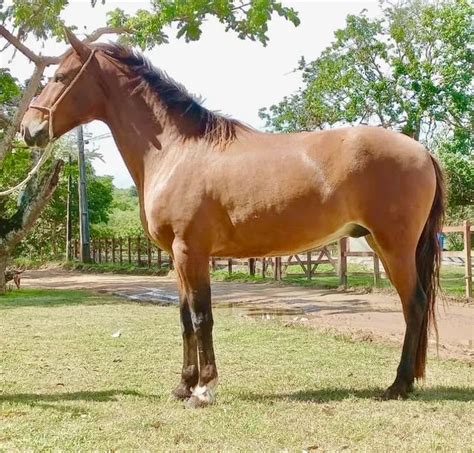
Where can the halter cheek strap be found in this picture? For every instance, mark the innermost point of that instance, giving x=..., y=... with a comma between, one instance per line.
x=51, y=110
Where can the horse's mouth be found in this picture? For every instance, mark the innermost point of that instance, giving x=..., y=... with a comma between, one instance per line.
x=37, y=137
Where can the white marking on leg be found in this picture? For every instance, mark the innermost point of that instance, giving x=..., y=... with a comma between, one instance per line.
x=206, y=393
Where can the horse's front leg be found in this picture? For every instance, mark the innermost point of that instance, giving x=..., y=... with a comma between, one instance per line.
x=190, y=370
x=192, y=266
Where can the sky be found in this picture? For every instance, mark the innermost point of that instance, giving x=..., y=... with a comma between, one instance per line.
x=233, y=76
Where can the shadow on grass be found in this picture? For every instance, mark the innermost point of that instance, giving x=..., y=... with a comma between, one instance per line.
x=93, y=396
x=51, y=298
x=53, y=401
x=325, y=395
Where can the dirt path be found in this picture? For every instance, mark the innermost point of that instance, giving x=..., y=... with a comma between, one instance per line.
x=368, y=316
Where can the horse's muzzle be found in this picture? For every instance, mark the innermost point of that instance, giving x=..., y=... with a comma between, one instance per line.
x=35, y=133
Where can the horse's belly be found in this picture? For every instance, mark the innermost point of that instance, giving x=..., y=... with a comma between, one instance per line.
x=283, y=235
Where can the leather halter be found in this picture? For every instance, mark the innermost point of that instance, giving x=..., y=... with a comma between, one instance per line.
x=51, y=110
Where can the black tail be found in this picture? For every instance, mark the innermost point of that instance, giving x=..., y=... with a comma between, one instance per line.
x=428, y=261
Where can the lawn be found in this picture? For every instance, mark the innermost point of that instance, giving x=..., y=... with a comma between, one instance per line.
x=68, y=384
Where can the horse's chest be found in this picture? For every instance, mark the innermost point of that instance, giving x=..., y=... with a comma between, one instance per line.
x=168, y=208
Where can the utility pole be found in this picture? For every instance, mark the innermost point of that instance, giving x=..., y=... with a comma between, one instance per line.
x=85, y=251
x=68, y=213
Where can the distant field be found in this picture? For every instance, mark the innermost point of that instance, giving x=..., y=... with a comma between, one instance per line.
x=68, y=384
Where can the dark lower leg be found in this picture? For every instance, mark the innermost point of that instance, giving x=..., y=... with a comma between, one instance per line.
x=204, y=392
x=190, y=370
x=415, y=312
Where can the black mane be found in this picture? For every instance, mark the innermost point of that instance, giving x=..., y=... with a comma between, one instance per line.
x=210, y=125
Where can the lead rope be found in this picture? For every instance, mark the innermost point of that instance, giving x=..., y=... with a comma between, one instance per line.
x=44, y=157
x=50, y=110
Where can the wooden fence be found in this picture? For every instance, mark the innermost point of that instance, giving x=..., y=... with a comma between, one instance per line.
x=140, y=251
x=137, y=251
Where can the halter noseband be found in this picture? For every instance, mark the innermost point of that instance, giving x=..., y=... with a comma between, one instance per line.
x=51, y=110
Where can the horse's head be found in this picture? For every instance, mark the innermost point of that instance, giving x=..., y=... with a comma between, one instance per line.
x=72, y=97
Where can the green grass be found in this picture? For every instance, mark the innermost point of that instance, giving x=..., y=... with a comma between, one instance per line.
x=67, y=384
x=452, y=278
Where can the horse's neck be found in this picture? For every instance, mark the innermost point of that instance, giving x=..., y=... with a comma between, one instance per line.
x=142, y=131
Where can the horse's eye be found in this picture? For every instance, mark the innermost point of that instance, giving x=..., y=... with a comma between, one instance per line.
x=59, y=77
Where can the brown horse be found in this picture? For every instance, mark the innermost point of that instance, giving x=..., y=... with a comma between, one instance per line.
x=211, y=186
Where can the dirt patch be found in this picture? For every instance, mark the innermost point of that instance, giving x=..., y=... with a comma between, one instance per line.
x=360, y=315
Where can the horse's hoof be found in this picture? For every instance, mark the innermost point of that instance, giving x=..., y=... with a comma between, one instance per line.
x=181, y=392
x=397, y=391
x=194, y=402
x=201, y=397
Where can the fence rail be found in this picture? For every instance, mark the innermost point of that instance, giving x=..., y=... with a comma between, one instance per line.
x=142, y=252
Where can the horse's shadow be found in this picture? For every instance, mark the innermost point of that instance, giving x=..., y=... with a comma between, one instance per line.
x=51, y=400
x=318, y=396
x=325, y=395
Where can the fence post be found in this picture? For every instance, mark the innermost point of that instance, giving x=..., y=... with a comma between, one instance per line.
x=129, y=249
x=277, y=268
x=106, y=244
x=113, y=250
x=376, y=270
x=468, y=262
x=308, y=265
x=342, y=261
x=159, y=258
x=252, y=267
x=121, y=250
x=148, y=251
x=264, y=267
x=139, y=256
x=100, y=250
x=229, y=266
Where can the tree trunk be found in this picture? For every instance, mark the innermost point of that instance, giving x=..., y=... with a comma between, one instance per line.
x=32, y=202
x=3, y=268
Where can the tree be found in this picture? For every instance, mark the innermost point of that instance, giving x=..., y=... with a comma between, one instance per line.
x=123, y=217
x=47, y=238
x=409, y=70
x=147, y=28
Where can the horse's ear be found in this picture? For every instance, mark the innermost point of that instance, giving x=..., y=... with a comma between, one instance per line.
x=77, y=44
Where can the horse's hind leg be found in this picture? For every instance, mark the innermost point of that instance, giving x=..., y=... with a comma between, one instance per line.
x=400, y=263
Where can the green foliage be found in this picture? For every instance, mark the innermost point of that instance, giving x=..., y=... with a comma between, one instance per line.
x=123, y=218
x=147, y=27
x=12, y=171
x=40, y=18
x=9, y=88
x=409, y=70
x=249, y=20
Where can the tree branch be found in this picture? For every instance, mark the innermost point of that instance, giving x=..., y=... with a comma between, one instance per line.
x=94, y=36
x=47, y=61
x=19, y=45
